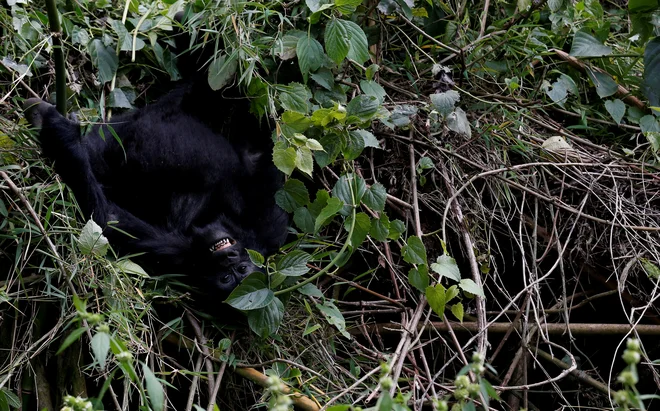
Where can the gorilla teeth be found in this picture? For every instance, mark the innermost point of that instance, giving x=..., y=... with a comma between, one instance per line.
x=221, y=245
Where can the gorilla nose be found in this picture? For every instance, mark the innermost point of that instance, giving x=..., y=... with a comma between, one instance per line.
x=233, y=255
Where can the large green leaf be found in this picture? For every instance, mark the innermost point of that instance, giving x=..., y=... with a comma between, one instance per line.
x=104, y=59
x=292, y=195
x=605, y=84
x=651, y=84
x=358, y=50
x=586, y=45
x=446, y=266
x=419, y=277
x=331, y=209
x=362, y=107
x=616, y=108
x=642, y=6
x=414, y=252
x=92, y=240
x=334, y=317
x=251, y=294
x=436, y=298
x=360, y=228
x=265, y=321
x=337, y=41
x=295, y=97
x=444, y=103
x=100, y=347
x=375, y=197
x=471, y=287
x=284, y=158
x=310, y=54
x=294, y=264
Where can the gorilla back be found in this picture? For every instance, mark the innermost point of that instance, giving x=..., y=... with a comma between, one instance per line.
x=190, y=180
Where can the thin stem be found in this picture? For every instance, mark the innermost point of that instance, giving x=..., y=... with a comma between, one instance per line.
x=58, y=56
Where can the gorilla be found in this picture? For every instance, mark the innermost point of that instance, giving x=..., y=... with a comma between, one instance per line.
x=188, y=182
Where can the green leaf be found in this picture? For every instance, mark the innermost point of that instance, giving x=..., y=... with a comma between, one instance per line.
x=104, y=59
x=369, y=139
x=265, y=321
x=362, y=107
x=316, y=5
x=118, y=99
x=292, y=195
x=324, y=78
x=380, y=227
x=329, y=211
x=305, y=160
x=304, y=220
x=360, y=230
x=451, y=293
x=296, y=121
x=425, y=163
x=320, y=201
x=221, y=71
x=375, y=197
x=652, y=270
x=558, y=91
x=397, y=227
x=414, y=252
x=256, y=257
x=337, y=40
x=436, y=298
x=167, y=61
x=371, y=71
x=457, y=121
x=310, y=55
x=444, y=103
x=651, y=85
x=642, y=6
x=471, y=287
x=100, y=347
x=11, y=399
x=419, y=277
x=92, y=240
x=334, y=317
x=347, y=7
x=124, y=37
x=295, y=97
x=616, y=108
x=446, y=267
x=653, y=138
x=605, y=84
x=130, y=267
x=284, y=158
x=649, y=124
x=358, y=45
x=310, y=290
x=371, y=88
x=154, y=389
x=251, y=294
x=354, y=146
x=294, y=264
x=586, y=45
x=70, y=339
x=457, y=310
x=342, y=189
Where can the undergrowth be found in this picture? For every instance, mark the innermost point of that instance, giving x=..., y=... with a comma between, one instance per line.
x=474, y=199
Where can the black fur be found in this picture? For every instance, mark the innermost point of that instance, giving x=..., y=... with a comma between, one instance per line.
x=191, y=169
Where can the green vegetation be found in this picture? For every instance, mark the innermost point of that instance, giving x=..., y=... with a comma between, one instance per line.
x=462, y=178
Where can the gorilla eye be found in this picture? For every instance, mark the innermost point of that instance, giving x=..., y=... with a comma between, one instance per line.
x=242, y=269
x=225, y=278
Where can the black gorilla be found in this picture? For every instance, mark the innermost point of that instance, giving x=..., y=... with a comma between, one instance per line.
x=191, y=185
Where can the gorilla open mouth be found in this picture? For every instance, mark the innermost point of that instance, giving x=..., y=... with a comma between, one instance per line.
x=222, y=244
